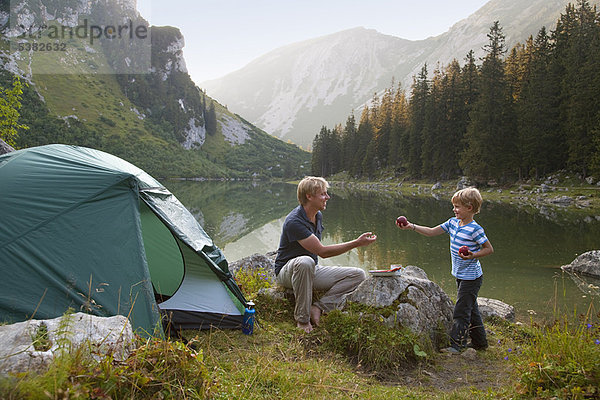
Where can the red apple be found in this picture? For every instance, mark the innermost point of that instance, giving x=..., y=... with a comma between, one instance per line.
x=464, y=250
x=401, y=221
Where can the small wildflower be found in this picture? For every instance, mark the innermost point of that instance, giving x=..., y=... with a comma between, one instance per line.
x=506, y=358
x=589, y=326
x=510, y=350
x=597, y=341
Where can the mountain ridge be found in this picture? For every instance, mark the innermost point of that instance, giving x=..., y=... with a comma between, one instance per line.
x=288, y=94
x=328, y=90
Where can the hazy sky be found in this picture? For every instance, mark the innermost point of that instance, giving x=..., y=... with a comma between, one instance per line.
x=222, y=36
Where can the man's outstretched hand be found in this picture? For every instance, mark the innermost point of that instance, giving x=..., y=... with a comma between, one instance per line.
x=366, y=239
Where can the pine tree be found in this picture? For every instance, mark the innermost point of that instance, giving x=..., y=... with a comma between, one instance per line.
x=470, y=80
x=210, y=119
x=316, y=168
x=365, y=136
x=433, y=114
x=453, y=124
x=418, y=109
x=369, y=164
x=320, y=154
x=490, y=137
x=576, y=33
x=349, y=142
x=593, y=64
x=398, y=154
x=540, y=141
x=383, y=128
x=517, y=65
x=334, y=147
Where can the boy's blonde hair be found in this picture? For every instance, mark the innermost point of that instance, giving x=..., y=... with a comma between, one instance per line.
x=310, y=185
x=468, y=197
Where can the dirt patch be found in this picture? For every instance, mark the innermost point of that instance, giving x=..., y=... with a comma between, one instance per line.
x=480, y=370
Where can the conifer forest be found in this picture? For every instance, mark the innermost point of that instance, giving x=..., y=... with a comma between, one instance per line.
x=514, y=114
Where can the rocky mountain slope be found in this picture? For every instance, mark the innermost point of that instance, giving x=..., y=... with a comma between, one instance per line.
x=294, y=90
x=154, y=116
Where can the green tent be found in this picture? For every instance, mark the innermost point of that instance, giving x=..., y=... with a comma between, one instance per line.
x=84, y=230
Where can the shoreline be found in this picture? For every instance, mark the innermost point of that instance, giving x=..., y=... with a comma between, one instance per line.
x=545, y=197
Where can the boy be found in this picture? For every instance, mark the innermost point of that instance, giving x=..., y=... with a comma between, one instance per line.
x=463, y=231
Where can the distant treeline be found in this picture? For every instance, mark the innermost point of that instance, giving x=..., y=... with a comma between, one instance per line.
x=521, y=113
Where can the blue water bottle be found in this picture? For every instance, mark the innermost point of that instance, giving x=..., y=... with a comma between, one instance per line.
x=248, y=321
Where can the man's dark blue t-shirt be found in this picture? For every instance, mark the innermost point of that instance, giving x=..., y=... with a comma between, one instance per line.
x=296, y=227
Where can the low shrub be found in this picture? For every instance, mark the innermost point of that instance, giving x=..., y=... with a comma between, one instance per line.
x=252, y=280
x=370, y=342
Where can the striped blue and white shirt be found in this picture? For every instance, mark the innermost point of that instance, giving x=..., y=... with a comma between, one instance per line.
x=470, y=235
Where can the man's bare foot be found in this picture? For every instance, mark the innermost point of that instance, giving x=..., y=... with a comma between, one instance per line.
x=307, y=327
x=315, y=315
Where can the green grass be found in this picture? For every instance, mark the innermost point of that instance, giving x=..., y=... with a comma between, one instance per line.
x=95, y=99
x=561, y=361
x=86, y=89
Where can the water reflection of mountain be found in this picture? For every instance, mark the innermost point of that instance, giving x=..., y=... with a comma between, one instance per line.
x=230, y=210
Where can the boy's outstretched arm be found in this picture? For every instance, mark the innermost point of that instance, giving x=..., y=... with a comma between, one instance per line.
x=423, y=230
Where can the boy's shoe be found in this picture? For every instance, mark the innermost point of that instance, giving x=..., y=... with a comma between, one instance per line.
x=451, y=350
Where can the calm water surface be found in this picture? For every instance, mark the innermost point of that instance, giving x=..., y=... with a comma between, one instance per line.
x=244, y=218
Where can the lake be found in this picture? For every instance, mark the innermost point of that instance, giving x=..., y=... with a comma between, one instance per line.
x=530, y=245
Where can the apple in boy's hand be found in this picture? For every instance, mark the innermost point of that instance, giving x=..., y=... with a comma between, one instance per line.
x=464, y=250
x=401, y=221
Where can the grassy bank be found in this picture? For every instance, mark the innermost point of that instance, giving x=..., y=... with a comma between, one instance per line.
x=346, y=357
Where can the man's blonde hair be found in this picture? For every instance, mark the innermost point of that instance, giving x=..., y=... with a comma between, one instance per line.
x=310, y=185
x=468, y=197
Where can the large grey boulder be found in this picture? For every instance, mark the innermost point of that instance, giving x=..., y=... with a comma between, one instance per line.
x=103, y=336
x=586, y=264
x=492, y=308
x=420, y=304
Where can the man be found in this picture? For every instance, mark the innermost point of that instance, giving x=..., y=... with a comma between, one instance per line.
x=296, y=265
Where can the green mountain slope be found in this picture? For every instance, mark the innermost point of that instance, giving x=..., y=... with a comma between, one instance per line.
x=158, y=120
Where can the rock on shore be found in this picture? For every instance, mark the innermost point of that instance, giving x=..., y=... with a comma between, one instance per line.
x=422, y=306
x=492, y=308
x=586, y=264
x=33, y=344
